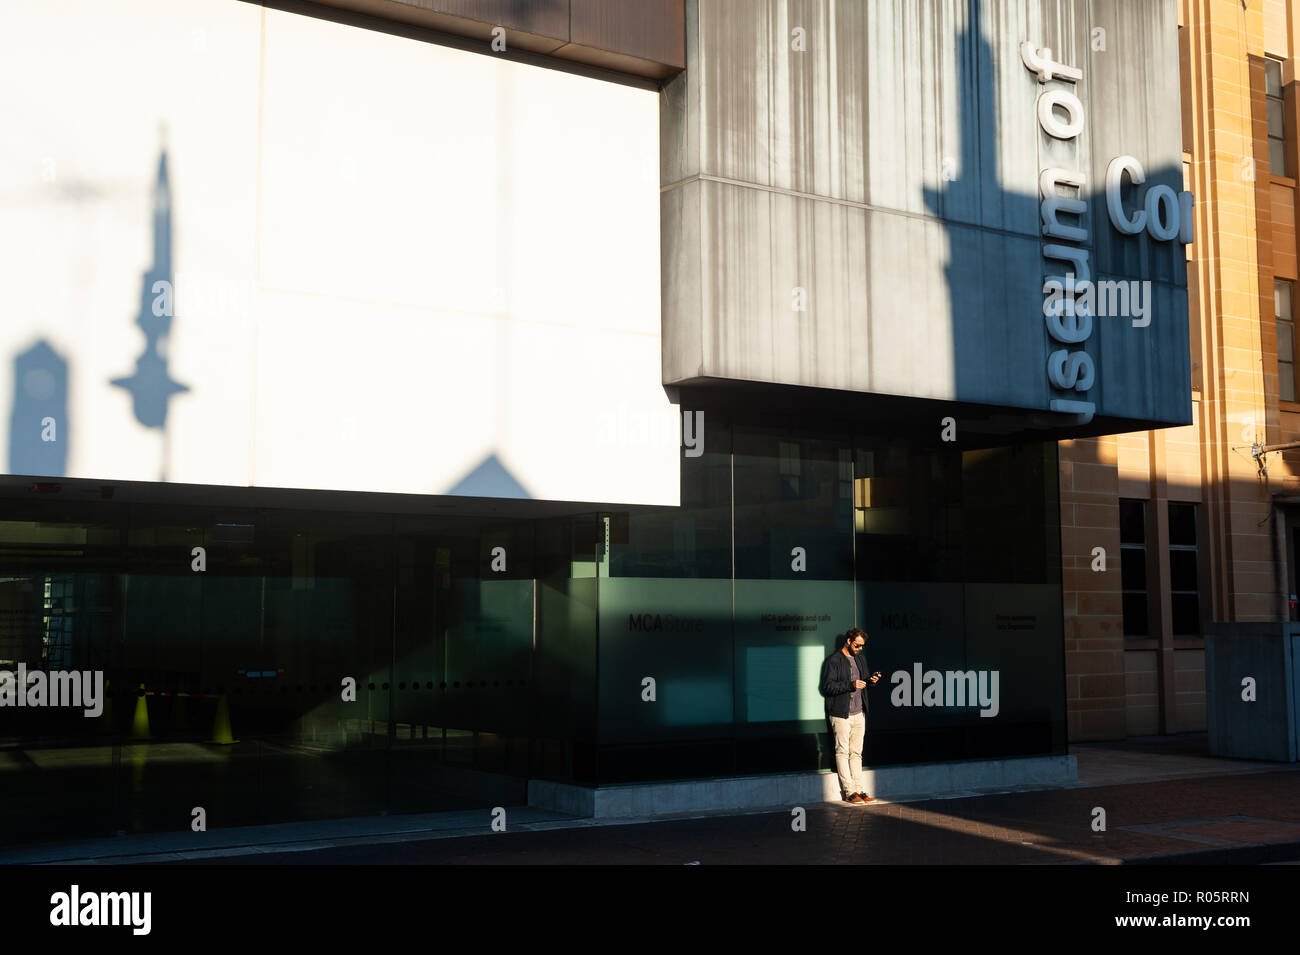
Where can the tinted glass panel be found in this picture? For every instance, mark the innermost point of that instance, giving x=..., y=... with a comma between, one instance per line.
x=1182, y=523
x=1273, y=77
x=1187, y=622
x=1277, y=157
x=1003, y=491
x=1182, y=570
x=1133, y=569
x=1132, y=522
x=1274, y=110
x=794, y=507
x=907, y=512
x=1135, y=615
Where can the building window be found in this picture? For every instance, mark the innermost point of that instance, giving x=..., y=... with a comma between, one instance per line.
x=1184, y=582
x=1282, y=315
x=1273, y=104
x=1133, y=567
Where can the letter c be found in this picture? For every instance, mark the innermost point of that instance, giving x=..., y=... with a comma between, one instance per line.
x=1114, y=204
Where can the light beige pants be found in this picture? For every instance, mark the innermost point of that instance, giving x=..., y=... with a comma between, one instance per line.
x=849, y=733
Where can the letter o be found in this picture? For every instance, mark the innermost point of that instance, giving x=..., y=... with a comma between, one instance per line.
x=1114, y=202
x=1053, y=126
x=1166, y=227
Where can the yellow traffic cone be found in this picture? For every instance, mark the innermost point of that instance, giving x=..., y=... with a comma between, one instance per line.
x=221, y=732
x=140, y=723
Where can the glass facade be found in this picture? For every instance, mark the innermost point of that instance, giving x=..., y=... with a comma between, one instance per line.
x=603, y=646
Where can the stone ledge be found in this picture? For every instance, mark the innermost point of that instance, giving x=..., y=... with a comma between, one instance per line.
x=914, y=781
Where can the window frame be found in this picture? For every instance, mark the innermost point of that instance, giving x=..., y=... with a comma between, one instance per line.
x=1279, y=320
x=1278, y=98
x=1141, y=553
x=1193, y=548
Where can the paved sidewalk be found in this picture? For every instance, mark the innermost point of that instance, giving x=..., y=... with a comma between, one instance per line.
x=1151, y=758
x=1237, y=818
x=1164, y=801
x=278, y=837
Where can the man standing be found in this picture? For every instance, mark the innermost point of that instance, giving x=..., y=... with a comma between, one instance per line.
x=846, y=706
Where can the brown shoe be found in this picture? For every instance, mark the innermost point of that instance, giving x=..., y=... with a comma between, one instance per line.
x=856, y=797
x=863, y=797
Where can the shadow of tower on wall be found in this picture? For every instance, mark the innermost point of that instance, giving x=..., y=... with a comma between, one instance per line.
x=990, y=266
x=966, y=199
x=489, y=478
x=38, y=426
x=151, y=386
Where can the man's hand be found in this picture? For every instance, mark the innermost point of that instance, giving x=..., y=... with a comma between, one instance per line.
x=858, y=684
x=874, y=677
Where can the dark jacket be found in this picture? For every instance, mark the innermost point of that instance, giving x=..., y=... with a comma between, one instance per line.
x=836, y=682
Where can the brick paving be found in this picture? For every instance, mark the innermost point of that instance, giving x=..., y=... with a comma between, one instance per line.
x=1227, y=818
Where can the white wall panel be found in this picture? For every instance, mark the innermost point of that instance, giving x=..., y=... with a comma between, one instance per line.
x=393, y=261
